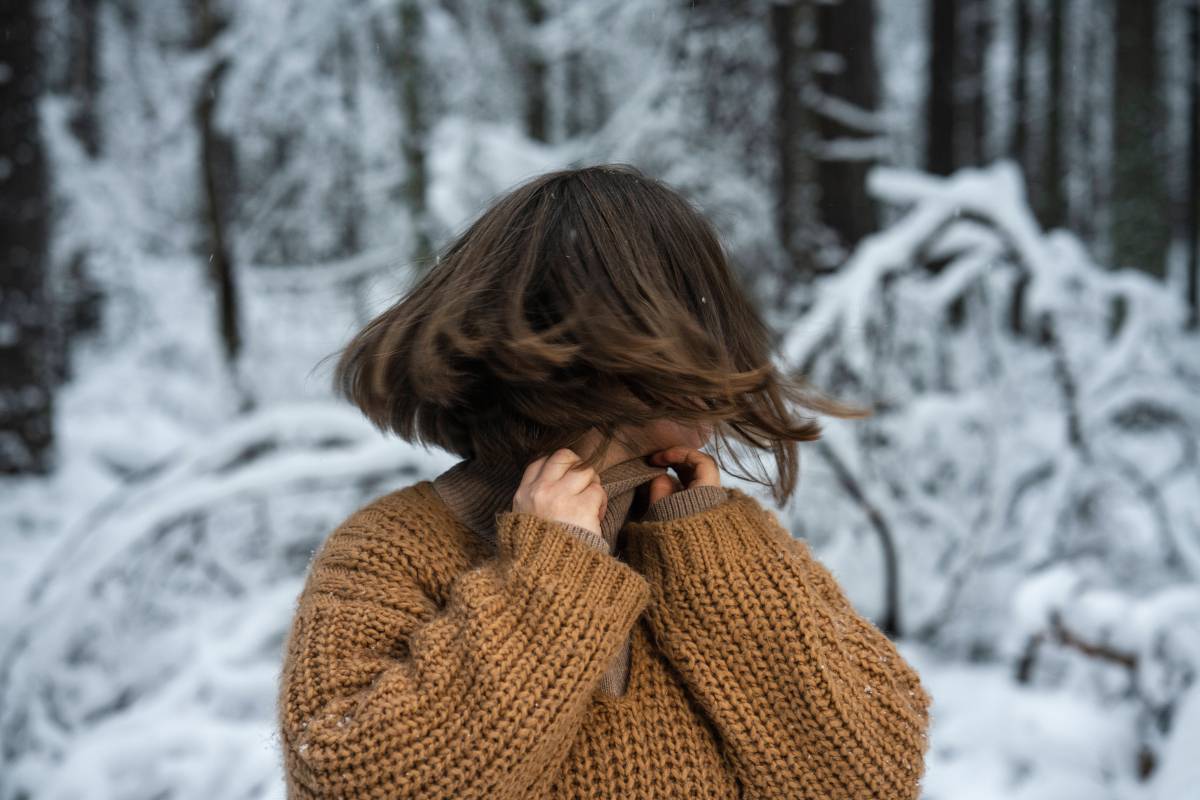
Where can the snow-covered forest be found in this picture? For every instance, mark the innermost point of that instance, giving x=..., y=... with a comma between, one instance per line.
x=979, y=217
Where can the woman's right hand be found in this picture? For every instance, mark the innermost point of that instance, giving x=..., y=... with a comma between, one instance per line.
x=552, y=490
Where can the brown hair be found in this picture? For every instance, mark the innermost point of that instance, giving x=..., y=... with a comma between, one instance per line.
x=582, y=298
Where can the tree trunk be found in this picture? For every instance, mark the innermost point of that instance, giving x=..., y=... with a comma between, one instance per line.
x=536, y=108
x=582, y=99
x=1192, y=222
x=955, y=105
x=78, y=295
x=83, y=78
x=26, y=376
x=347, y=180
x=574, y=116
x=1140, y=229
x=939, y=104
x=970, y=110
x=792, y=25
x=412, y=77
x=218, y=175
x=1049, y=205
x=1019, y=143
x=1082, y=180
x=847, y=28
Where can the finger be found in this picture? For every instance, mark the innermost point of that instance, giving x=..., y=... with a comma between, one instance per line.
x=595, y=481
x=557, y=463
x=695, y=467
x=596, y=489
x=532, y=469
x=581, y=480
x=661, y=487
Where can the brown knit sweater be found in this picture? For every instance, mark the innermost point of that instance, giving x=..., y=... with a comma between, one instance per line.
x=425, y=661
x=477, y=491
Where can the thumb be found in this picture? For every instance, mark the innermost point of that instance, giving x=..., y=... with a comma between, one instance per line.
x=662, y=486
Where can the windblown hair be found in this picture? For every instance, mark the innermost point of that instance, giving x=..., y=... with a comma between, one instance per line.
x=590, y=298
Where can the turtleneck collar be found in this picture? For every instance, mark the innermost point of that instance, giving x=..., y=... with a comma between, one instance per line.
x=475, y=492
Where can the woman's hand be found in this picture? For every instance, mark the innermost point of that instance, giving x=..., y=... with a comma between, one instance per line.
x=694, y=468
x=552, y=490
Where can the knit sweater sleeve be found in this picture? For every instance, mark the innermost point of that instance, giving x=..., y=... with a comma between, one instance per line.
x=387, y=692
x=811, y=699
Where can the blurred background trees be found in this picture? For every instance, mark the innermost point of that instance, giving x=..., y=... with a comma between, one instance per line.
x=980, y=217
x=311, y=130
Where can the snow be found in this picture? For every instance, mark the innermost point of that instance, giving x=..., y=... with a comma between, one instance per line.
x=1043, y=497
x=148, y=583
x=180, y=532
x=992, y=738
x=1180, y=772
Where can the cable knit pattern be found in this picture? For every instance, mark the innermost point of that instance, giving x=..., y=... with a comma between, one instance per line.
x=423, y=663
x=812, y=699
x=477, y=491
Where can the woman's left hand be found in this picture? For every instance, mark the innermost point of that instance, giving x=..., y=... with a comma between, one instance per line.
x=694, y=467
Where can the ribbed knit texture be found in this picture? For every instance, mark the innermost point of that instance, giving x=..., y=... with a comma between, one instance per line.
x=423, y=663
x=476, y=491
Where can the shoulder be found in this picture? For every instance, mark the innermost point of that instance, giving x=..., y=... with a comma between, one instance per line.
x=408, y=530
x=410, y=509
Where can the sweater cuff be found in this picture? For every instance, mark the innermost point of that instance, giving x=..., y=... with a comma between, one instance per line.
x=717, y=540
x=684, y=503
x=548, y=551
x=591, y=537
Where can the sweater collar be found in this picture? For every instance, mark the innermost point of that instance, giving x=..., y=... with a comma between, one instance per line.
x=476, y=492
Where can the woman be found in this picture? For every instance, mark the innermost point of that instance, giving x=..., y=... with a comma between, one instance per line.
x=557, y=615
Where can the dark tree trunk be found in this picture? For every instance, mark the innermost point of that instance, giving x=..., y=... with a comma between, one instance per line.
x=347, y=180
x=536, y=108
x=407, y=65
x=796, y=213
x=1078, y=144
x=412, y=76
x=218, y=174
x=583, y=99
x=26, y=335
x=955, y=105
x=1049, y=204
x=574, y=117
x=940, y=102
x=1192, y=220
x=847, y=28
x=1019, y=142
x=79, y=297
x=970, y=120
x=84, y=77
x=1141, y=231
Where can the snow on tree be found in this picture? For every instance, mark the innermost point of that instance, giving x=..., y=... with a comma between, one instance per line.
x=1036, y=418
x=1032, y=458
